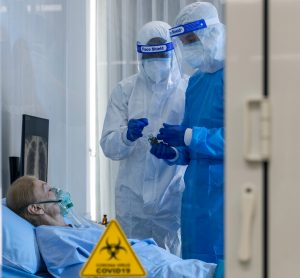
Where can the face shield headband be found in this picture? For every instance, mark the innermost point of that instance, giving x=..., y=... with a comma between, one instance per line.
x=192, y=26
x=155, y=51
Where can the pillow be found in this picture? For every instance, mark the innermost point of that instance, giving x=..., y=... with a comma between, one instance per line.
x=20, y=249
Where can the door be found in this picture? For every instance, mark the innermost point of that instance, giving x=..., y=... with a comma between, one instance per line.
x=262, y=139
x=284, y=172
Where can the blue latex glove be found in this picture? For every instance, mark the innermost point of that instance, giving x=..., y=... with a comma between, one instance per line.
x=172, y=134
x=163, y=151
x=135, y=128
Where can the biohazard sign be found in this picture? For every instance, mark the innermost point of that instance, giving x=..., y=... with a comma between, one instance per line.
x=113, y=256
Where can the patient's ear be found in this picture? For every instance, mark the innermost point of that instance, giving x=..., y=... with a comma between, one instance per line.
x=35, y=209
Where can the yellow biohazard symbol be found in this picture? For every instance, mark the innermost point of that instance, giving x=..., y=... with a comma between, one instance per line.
x=113, y=249
x=113, y=256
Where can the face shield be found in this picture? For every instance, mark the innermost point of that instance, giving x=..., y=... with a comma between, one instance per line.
x=197, y=45
x=155, y=59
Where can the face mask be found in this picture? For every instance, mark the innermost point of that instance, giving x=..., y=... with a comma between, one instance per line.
x=66, y=209
x=66, y=203
x=157, y=70
x=193, y=54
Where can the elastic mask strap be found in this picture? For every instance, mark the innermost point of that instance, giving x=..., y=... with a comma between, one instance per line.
x=42, y=202
x=46, y=202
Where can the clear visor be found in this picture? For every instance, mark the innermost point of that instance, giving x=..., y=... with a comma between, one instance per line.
x=188, y=45
x=155, y=60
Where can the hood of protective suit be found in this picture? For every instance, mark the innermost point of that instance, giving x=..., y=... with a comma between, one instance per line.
x=154, y=29
x=158, y=71
x=209, y=53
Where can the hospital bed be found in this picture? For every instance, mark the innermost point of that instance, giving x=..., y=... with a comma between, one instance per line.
x=21, y=256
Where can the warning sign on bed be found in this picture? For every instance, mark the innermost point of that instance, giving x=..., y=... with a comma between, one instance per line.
x=113, y=256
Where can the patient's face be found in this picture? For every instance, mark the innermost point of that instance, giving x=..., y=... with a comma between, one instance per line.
x=42, y=192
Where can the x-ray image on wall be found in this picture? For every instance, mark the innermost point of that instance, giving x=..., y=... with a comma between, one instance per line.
x=36, y=157
x=35, y=146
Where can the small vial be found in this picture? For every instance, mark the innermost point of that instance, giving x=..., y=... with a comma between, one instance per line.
x=104, y=220
x=152, y=139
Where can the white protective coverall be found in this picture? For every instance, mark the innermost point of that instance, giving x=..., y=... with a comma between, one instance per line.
x=148, y=191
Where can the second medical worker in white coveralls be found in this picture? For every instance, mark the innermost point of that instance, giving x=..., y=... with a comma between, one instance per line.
x=148, y=191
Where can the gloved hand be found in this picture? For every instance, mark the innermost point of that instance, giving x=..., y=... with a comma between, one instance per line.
x=163, y=151
x=172, y=134
x=135, y=128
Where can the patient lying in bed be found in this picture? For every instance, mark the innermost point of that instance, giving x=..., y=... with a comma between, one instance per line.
x=65, y=249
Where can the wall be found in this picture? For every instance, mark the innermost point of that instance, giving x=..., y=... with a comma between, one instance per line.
x=43, y=74
x=34, y=79
x=77, y=95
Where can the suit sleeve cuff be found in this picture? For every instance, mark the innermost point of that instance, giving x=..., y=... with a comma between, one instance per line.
x=125, y=140
x=188, y=135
